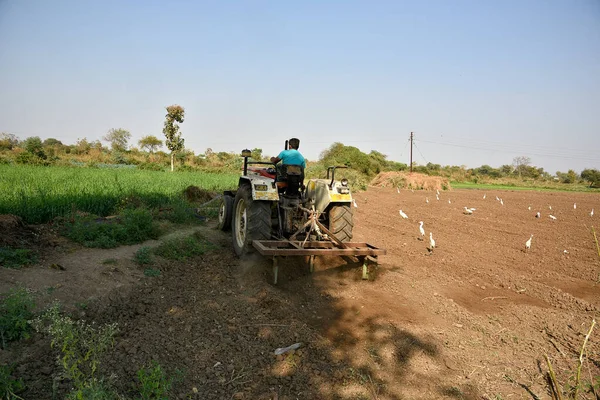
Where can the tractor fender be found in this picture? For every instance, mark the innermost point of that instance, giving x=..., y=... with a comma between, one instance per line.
x=263, y=188
x=323, y=196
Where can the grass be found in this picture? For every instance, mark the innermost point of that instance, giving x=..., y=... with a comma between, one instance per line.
x=151, y=272
x=131, y=227
x=39, y=194
x=182, y=248
x=16, y=309
x=537, y=186
x=16, y=258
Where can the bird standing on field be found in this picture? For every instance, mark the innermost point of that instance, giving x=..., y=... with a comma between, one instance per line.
x=421, y=228
x=437, y=197
x=574, y=206
x=484, y=196
x=354, y=202
x=550, y=207
x=497, y=198
x=529, y=208
x=592, y=213
x=552, y=217
x=426, y=200
x=528, y=243
x=398, y=189
x=449, y=202
x=538, y=215
x=501, y=202
x=403, y=214
x=431, y=242
x=468, y=211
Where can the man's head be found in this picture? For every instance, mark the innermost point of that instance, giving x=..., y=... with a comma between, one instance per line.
x=294, y=143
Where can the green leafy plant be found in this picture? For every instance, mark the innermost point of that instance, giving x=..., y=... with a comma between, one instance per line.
x=143, y=255
x=81, y=345
x=183, y=248
x=16, y=258
x=154, y=383
x=16, y=308
x=9, y=386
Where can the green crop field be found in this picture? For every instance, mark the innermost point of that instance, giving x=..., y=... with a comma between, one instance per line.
x=38, y=194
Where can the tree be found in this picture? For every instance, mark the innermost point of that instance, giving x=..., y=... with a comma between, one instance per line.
x=8, y=141
x=33, y=145
x=521, y=163
x=150, y=143
x=118, y=139
x=174, y=142
x=592, y=176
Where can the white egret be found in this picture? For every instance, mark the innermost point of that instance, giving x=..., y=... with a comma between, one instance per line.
x=468, y=211
x=437, y=197
x=528, y=243
x=437, y=191
x=398, y=189
x=538, y=215
x=403, y=214
x=431, y=241
x=354, y=202
x=550, y=207
x=501, y=202
x=421, y=228
x=484, y=196
x=449, y=202
x=427, y=200
x=552, y=217
x=497, y=198
x=574, y=206
x=529, y=208
x=592, y=213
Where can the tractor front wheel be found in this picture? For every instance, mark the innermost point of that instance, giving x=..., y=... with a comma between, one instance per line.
x=251, y=221
x=341, y=222
x=225, y=211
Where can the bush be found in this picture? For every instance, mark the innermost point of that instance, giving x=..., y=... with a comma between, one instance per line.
x=143, y=255
x=16, y=308
x=16, y=258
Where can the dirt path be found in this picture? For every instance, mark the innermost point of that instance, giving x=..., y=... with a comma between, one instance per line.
x=473, y=320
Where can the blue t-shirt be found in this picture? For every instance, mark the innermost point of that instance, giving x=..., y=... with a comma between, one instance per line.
x=292, y=157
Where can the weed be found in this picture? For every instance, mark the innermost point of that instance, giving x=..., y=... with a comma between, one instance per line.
x=94, y=390
x=143, y=255
x=110, y=261
x=16, y=308
x=132, y=226
x=81, y=345
x=9, y=386
x=179, y=212
x=151, y=272
x=82, y=305
x=154, y=384
x=16, y=258
x=183, y=248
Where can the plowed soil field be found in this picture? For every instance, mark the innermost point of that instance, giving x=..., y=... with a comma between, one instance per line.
x=473, y=319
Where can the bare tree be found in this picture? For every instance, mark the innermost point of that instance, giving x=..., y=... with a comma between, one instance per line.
x=174, y=142
x=520, y=163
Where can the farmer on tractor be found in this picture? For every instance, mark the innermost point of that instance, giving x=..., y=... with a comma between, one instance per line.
x=290, y=174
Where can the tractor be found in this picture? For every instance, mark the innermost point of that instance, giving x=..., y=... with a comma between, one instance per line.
x=271, y=204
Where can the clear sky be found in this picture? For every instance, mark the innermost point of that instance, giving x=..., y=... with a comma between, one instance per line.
x=479, y=82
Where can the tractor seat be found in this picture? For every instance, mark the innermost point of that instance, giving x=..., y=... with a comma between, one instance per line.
x=290, y=179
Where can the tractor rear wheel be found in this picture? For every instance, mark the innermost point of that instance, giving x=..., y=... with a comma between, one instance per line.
x=340, y=222
x=251, y=221
x=225, y=211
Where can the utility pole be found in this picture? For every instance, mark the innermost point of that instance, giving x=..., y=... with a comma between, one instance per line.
x=411, y=144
